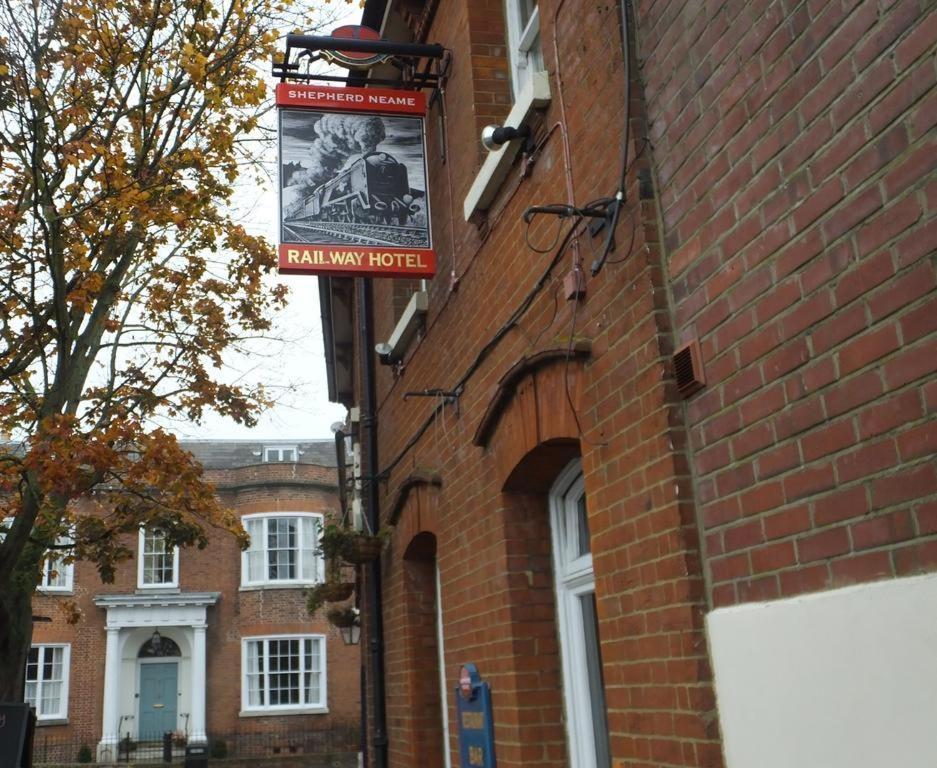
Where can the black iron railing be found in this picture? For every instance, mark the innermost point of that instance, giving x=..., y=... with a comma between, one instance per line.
x=337, y=739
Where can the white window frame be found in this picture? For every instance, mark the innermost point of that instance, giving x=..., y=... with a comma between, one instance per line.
x=316, y=707
x=269, y=451
x=66, y=572
x=319, y=569
x=62, y=712
x=141, y=570
x=574, y=579
x=524, y=52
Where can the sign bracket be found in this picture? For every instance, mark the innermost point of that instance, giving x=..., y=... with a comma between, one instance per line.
x=421, y=65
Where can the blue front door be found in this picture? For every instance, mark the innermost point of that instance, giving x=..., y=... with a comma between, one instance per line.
x=158, y=694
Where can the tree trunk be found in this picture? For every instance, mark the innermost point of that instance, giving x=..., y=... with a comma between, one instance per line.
x=16, y=628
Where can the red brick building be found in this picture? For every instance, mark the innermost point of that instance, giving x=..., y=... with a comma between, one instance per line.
x=210, y=644
x=572, y=512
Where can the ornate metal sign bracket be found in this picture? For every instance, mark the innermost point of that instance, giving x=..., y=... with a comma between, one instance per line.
x=420, y=65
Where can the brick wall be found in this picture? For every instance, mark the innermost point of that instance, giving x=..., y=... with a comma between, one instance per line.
x=780, y=209
x=795, y=153
x=489, y=517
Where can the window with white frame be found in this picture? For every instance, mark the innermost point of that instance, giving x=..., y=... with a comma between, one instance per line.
x=47, y=681
x=584, y=690
x=280, y=453
x=57, y=575
x=283, y=550
x=284, y=672
x=523, y=28
x=158, y=561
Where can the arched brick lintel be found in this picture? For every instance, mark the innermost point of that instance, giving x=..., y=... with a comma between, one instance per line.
x=415, y=508
x=411, y=483
x=529, y=428
x=511, y=382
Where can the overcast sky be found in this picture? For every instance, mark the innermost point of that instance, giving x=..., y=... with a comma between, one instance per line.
x=292, y=369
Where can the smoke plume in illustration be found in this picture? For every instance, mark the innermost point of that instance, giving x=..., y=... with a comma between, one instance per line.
x=337, y=138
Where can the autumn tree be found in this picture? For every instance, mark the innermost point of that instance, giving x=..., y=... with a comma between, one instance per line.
x=123, y=276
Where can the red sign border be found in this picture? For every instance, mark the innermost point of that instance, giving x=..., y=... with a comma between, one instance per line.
x=426, y=258
x=378, y=101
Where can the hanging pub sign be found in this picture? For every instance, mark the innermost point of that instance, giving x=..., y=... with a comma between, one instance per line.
x=353, y=194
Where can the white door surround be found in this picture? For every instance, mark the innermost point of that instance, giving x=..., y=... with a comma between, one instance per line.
x=131, y=620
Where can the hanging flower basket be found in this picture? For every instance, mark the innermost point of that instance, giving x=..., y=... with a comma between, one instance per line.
x=337, y=591
x=339, y=543
x=342, y=617
x=362, y=548
x=327, y=592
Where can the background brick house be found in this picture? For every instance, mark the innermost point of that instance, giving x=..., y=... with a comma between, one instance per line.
x=593, y=538
x=211, y=644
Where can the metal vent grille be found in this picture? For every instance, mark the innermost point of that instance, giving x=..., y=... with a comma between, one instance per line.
x=688, y=368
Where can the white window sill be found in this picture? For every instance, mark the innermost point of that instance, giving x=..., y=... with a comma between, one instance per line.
x=406, y=329
x=535, y=95
x=41, y=721
x=166, y=589
x=277, y=585
x=55, y=590
x=283, y=711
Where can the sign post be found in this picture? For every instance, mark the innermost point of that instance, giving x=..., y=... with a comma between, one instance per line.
x=476, y=723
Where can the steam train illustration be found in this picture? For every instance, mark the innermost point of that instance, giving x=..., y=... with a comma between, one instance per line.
x=374, y=189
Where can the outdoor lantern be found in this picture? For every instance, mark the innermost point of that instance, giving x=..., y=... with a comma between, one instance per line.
x=156, y=641
x=351, y=634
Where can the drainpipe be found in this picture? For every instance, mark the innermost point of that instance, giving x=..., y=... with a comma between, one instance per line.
x=372, y=511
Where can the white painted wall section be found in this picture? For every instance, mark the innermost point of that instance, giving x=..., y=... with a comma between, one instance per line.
x=839, y=679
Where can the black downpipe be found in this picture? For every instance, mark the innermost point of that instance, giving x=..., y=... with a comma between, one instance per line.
x=340, y=460
x=363, y=694
x=375, y=606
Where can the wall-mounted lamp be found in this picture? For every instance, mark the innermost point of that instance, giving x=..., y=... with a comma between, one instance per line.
x=156, y=641
x=493, y=136
x=385, y=353
x=351, y=634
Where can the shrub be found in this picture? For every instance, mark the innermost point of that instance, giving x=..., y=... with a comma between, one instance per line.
x=219, y=748
x=84, y=754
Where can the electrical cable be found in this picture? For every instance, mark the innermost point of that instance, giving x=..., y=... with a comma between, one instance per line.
x=532, y=342
x=634, y=210
x=551, y=246
x=597, y=265
x=569, y=354
x=486, y=350
x=519, y=312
